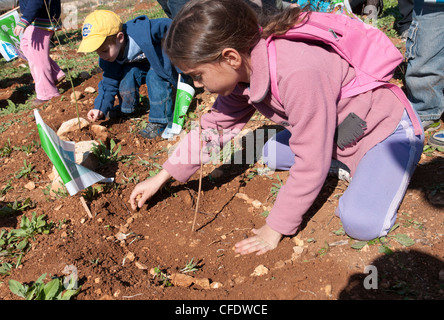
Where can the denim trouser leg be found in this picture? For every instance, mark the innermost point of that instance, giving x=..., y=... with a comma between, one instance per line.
x=160, y=95
x=135, y=74
x=425, y=61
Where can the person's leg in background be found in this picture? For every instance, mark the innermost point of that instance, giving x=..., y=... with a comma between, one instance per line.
x=35, y=45
x=160, y=95
x=405, y=9
x=134, y=78
x=424, y=78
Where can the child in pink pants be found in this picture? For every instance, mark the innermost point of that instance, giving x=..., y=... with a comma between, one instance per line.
x=37, y=29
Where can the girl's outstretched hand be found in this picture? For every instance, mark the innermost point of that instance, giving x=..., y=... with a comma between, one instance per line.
x=265, y=239
x=146, y=189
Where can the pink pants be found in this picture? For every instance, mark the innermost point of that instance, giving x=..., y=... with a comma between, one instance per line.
x=35, y=45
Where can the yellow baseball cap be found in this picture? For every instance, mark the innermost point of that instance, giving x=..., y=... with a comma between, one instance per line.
x=97, y=26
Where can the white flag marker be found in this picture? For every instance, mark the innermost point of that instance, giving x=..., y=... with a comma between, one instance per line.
x=61, y=153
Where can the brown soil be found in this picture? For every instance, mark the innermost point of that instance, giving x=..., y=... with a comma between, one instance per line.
x=159, y=234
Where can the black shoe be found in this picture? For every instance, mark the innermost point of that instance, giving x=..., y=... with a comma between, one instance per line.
x=152, y=130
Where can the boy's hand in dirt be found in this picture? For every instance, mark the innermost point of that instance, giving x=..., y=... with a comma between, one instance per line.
x=146, y=189
x=265, y=239
x=94, y=115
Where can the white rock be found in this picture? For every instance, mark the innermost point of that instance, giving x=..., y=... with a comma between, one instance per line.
x=216, y=285
x=140, y=265
x=72, y=125
x=76, y=95
x=242, y=196
x=298, y=242
x=90, y=90
x=256, y=203
x=260, y=270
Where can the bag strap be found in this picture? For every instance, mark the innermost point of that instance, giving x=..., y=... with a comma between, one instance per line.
x=349, y=90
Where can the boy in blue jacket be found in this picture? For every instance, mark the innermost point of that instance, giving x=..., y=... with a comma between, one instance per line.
x=130, y=55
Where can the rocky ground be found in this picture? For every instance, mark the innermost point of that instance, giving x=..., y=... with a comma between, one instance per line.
x=153, y=253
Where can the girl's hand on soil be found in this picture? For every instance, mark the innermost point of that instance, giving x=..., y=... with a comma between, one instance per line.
x=18, y=30
x=94, y=115
x=265, y=239
x=146, y=189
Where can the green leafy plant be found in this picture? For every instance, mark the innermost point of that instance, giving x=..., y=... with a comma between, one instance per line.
x=6, y=188
x=52, y=290
x=276, y=187
x=162, y=277
x=6, y=150
x=16, y=242
x=16, y=206
x=106, y=155
x=191, y=266
x=29, y=148
x=25, y=171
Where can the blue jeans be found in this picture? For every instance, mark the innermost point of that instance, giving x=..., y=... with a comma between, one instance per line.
x=424, y=77
x=135, y=74
x=160, y=92
x=172, y=7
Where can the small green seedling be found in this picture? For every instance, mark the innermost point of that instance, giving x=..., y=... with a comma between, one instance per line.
x=191, y=266
x=52, y=290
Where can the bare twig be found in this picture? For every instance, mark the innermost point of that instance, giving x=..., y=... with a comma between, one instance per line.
x=200, y=179
x=85, y=206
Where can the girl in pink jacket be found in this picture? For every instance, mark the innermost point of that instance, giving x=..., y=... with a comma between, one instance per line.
x=220, y=44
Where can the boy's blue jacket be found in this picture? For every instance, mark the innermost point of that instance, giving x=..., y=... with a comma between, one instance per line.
x=148, y=35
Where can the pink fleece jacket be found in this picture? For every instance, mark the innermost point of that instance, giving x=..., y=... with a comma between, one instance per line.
x=309, y=79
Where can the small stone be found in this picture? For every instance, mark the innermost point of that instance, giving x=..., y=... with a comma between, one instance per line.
x=280, y=264
x=260, y=270
x=100, y=133
x=204, y=283
x=89, y=90
x=327, y=290
x=256, y=204
x=298, y=250
x=242, y=196
x=298, y=242
x=187, y=200
x=130, y=256
x=140, y=265
x=181, y=280
x=72, y=125
x=216, y=285
x=120, y=236
x=30, y=185
x=76, y=95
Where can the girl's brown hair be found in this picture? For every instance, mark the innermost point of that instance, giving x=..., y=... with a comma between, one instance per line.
x=203, y=28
